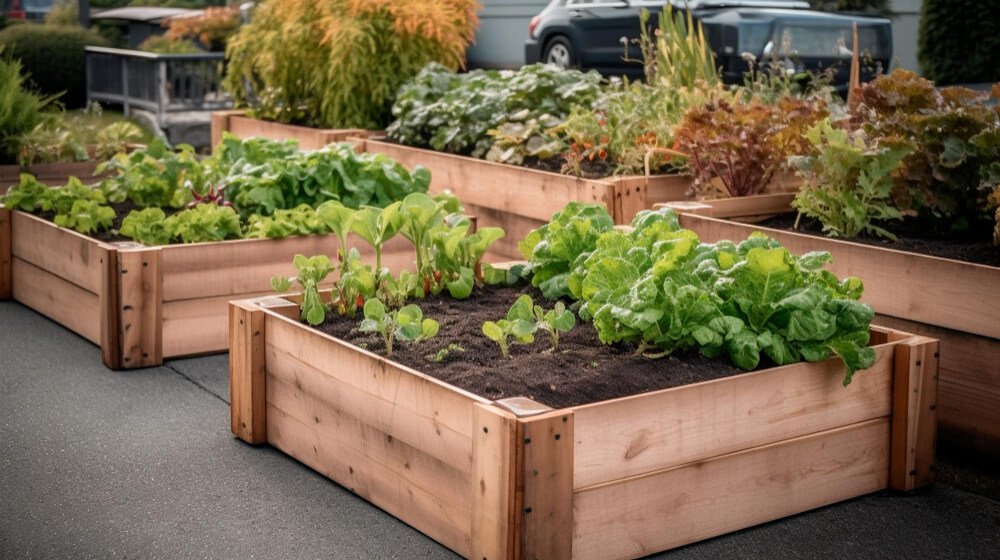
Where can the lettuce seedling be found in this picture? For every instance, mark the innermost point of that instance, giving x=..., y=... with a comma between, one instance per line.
x=311, y=271
x=554, y=321
x=406, y=324
x=520, y=325
x=86, y=216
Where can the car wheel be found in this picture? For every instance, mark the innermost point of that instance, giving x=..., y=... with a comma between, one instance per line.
x=559, y=52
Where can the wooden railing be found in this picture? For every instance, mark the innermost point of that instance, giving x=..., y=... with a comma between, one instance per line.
x=161, y=83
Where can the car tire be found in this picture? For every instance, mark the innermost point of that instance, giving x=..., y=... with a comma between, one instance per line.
x=559, y=51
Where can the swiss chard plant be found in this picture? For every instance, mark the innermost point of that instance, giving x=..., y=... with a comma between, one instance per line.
x=518, y=328
x=658, y=287
x=407, y=324
x=848, y=185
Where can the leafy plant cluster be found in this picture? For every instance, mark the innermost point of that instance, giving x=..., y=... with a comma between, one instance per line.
x=75, y=206
x=21, y=108
x=447, y=260
x=252, y=188
x=848, y=184
x=658, y=287
x=954, y=134
x=735, y=147
x=349, y=58
x=85, y=136
x=524, y=319
x=501, y=115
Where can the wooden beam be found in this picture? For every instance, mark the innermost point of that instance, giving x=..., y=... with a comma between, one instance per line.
x=914, y=418
x=6, y=260
x=220, y=124
x=140, y=296
x=109, y=298
x=546, y=478
x=494, y=479
x=247, y=372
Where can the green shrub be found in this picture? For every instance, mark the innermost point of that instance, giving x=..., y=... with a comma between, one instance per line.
x=338, y=63
x=164, y=45
x=959, y=40
x=53, y=56
x=20, y=110
x=65, y=12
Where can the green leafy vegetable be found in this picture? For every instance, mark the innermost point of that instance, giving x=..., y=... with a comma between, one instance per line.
x=147, y=226
x=407, y=323
x=28, y=195
x=553, y=249
x=554, y=321
x=659, y=287
x=155, y=176
x=520, y=325
x=86, y=216
x=311, y=271
x=205, y=222
x=848, y=185
x=301, y=220
x=377, y=226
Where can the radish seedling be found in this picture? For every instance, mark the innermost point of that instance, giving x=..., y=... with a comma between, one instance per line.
x=519, y=325
x=406, y=324
x=554, y=321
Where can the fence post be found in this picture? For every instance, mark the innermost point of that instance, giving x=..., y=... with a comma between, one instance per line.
x=125, y=108
x=88, y=70
x=161, y=90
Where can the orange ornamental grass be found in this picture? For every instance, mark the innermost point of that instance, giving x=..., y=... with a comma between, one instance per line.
x=339, y=63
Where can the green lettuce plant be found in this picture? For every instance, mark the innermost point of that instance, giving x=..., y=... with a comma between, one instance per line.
x=554, y=321
x=86, y=216
x=147, y=226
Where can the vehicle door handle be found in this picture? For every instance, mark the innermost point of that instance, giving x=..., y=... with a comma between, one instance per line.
x=575, y=13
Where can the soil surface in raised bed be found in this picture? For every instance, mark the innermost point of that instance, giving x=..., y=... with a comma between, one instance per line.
x=915, y=236
x=582, y=371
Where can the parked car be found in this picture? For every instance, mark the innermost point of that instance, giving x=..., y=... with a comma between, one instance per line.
x=589, y=34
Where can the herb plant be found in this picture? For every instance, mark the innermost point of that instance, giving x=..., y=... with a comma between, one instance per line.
x=407, y=324
x=518, y=328
x=848, y=186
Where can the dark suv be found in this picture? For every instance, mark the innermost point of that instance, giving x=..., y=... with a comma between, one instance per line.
x=588, y=34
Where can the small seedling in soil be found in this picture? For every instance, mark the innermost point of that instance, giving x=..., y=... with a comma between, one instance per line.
x=443, y=353
x=519, y=325
x=311, y=272
x=406, y=324
x=555, y=321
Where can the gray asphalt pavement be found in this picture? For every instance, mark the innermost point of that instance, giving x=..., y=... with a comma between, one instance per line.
x=141, y=464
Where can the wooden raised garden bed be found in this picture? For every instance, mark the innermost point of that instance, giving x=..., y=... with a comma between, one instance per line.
x=951, y=300
x=520, y=199
x=621, y=478
x=144, y=304
x=242, y=126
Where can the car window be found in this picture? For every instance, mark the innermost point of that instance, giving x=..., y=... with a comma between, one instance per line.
x=823, y=41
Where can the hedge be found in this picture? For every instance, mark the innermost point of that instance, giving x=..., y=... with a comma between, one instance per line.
x=959, y=41
x=54, y=58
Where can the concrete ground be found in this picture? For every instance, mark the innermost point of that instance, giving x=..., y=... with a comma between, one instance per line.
x=141, y=464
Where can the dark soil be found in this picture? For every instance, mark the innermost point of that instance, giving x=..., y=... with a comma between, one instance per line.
x=582, y=371
x=111, y=235
x=915, y=236
x=588, y=169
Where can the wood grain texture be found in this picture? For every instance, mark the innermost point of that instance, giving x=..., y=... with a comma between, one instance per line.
x=63, y=252
x=493, y=483
x=109, y=299
x=247, y=405
x=508, y=188
x=140, y=297
x=219, y=125
x=396, y=438
x=932, y=290
x=60, y=300
x=6, y=258
x=546, y=505
x=641, y=515
x=420, y=410
x=639, y=434
x=968, y=403
x=914, y=421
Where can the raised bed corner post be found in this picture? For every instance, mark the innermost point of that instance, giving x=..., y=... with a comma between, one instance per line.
x=247, y=371
x=914, y=418
x=6, y=259
x=140, y=307
x=544, y=497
